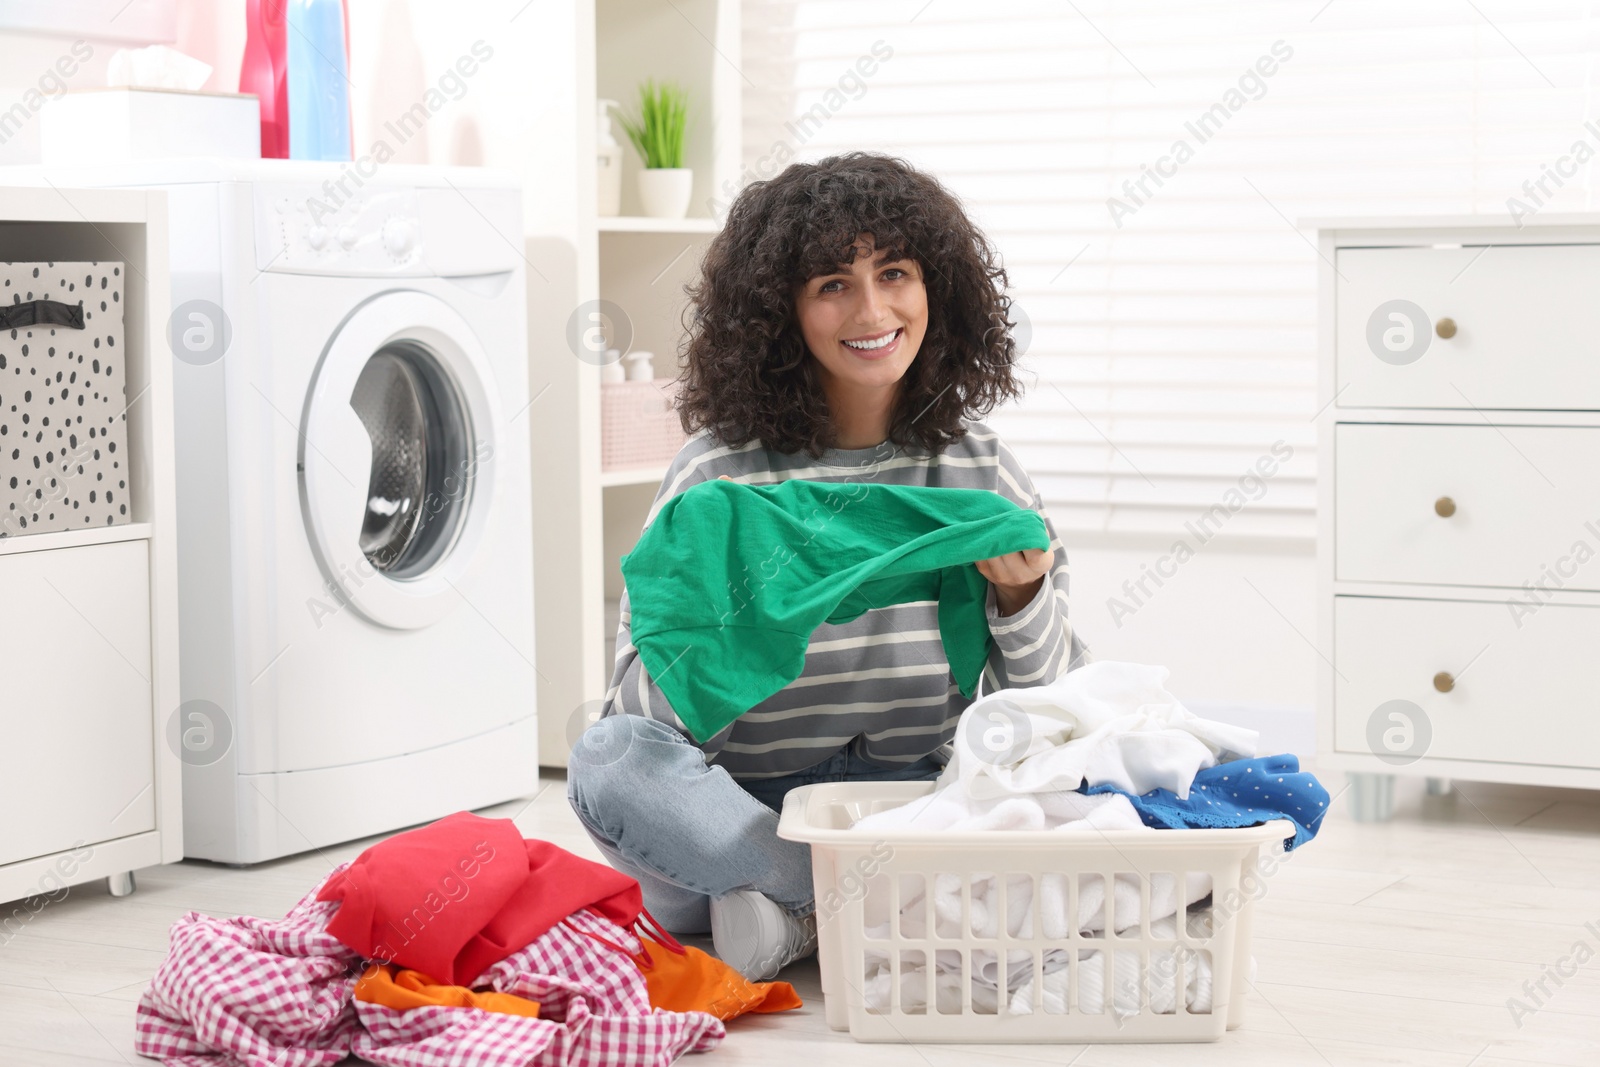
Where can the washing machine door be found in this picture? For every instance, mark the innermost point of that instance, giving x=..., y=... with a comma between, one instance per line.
x=397, y=458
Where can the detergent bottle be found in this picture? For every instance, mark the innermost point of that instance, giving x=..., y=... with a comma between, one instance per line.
x=608, y=165
x=265, y=73
x=319, y=79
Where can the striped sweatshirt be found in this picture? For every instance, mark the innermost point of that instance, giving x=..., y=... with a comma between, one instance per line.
x=878, y=685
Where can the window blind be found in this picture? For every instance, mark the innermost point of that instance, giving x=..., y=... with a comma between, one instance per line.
x=1141, y=163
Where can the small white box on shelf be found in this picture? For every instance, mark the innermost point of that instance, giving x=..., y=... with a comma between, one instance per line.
x=118, y=124
x=63, y=408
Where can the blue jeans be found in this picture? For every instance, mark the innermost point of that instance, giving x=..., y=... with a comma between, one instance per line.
x=689, y=832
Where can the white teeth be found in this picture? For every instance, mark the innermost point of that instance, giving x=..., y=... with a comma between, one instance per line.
x=879, y=343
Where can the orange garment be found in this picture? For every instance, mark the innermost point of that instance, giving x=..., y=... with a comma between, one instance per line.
x=395, y=987
x=696, y=981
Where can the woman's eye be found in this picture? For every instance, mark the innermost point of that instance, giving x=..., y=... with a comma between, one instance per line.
x=893, y=274
x=827, y=287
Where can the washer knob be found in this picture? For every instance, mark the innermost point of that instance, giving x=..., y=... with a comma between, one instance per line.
x=347, y=237
x=317, y=237
x=398, y=237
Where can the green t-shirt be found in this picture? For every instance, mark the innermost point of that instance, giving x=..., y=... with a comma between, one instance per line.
x=729, y=581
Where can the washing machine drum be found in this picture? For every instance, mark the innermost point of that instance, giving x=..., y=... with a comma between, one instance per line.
x=414, y=419
x=397, y=458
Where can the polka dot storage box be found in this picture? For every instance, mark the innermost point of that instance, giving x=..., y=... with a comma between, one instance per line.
x=63, y=412
x=938, y=936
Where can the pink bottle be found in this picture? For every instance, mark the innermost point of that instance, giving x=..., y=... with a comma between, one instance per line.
x=265, y=72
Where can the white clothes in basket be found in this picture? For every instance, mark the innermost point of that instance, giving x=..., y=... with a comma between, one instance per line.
x=984, y=916
x=949, y=807
x=1019, y=756
x=1054, y=974
x=1126, y=912
x=1107, y=723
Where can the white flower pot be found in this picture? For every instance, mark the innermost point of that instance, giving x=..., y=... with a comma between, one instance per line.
x=664, y=191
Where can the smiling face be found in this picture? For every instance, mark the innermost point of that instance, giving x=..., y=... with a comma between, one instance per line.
x=864, y=324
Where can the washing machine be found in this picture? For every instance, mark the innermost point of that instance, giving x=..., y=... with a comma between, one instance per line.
x=354, y=506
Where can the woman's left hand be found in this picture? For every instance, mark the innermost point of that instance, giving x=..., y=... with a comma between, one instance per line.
x=1016, y=577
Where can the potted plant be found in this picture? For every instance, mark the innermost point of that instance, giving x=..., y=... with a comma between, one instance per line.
x=665, y=183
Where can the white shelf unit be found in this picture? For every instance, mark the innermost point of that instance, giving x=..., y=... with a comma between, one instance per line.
x=640, y=264
x=650, y=476
x=89, y=639
x=640, y=224
x=95, y=535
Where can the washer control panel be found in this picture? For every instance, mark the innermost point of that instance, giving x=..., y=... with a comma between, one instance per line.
x=331, y=229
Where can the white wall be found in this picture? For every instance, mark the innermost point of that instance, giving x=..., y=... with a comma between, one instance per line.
x=1233, y=622
x=28, y=69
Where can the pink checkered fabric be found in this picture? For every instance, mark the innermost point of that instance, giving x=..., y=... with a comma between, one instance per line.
x=250, y=992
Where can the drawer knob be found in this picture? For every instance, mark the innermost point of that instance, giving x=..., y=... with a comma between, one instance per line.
x=1445, y=328
x=1444, y=681
x=1444, y=507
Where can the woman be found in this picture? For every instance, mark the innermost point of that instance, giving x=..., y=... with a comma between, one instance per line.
x=848, y=323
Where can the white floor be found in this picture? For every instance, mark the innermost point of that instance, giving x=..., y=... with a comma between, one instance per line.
x=1397, y=943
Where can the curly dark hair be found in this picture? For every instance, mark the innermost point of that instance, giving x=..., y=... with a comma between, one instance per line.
x=747, y=372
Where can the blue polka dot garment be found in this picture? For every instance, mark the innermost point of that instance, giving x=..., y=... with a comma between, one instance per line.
x=1245, y=792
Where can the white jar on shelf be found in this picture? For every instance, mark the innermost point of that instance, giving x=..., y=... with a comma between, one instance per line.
x=640, y=366
x=608, y=165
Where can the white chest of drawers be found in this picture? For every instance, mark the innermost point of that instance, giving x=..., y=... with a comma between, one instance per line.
x=1458, y=547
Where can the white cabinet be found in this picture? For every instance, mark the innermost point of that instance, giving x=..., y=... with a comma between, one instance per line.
x=1459, y=501
x=631, y=271
x=76, y=635
x=89, y=782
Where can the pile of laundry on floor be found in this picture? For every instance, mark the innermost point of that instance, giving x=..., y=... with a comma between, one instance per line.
x=459, y=942
x=1103, y=748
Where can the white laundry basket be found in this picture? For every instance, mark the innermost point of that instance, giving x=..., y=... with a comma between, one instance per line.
x=857, y=871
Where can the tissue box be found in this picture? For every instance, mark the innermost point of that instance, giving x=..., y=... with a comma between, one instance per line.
x=120, y=124
x=63, y=412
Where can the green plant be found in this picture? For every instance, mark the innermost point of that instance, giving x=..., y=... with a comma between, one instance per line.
x=658, y=133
